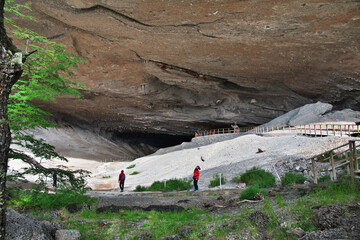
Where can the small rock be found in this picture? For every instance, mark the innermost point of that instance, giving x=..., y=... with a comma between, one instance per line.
x=242, y=185
x=172, y=237
x=261, y=149
x=259, y=196
x=221, y=198
x=67, y=234
x=298, y=232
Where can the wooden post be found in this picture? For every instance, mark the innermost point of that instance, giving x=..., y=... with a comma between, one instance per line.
x=315, y=129
x=351, y=159
x=333, y=165
x=320, y=130
x=356, y=158
x=327, y=130
x=334, y=129
x=349, y=131
x=314, y=170
x=305, y=129
x=340, y=130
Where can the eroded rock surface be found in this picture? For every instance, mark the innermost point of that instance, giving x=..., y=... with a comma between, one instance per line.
x=180, y=66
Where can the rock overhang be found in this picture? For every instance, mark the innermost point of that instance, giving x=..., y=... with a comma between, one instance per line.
x=177, y=67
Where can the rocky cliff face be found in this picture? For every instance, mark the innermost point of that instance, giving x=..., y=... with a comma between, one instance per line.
x=178, y=66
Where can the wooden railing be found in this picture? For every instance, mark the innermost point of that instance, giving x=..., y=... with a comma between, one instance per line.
x=340, y=157
x=306, y=129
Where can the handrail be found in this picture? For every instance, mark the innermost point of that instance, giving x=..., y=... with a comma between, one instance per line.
x=317, y=129
x=351, y=160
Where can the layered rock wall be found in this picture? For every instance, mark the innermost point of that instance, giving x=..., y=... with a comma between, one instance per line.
x=180, y=66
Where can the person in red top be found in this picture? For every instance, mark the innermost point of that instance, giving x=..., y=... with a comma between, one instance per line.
x=196, y=178
x=122, y=180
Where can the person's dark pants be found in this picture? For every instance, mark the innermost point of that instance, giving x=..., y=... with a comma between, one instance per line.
x=195, y=184
x=121, y=186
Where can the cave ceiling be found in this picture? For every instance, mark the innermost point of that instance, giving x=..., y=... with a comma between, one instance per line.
x=180, y=66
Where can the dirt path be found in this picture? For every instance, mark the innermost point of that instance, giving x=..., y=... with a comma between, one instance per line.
x=183, y=199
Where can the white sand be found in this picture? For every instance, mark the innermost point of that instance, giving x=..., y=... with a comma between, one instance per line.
x=228, y=157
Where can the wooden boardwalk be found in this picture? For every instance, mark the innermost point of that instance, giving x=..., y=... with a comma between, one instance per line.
x=318, y=129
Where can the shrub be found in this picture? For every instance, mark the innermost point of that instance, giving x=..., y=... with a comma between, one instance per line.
x=131, y=166
x=134, y=173
x=259, y=177
x=140, y=188
x=171, y=185
x=36, y=199
x=291, y=178
x=216, y=180
x=250, y=192
x=325, y=178
x=236, y=179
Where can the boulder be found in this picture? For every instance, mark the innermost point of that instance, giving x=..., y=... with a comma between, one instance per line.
x=65, y=234
x=26, y=227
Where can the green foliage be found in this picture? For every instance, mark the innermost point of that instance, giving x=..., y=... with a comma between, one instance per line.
x=40, y=149
x=259, y=177
x=131, y=166
x=171, y=185
x=129, y=224
x=236, y=179
x=46, y=75
x=251, y=191
x=215, y=181
x=325, y=178
x=39, y=198
x=279, y=201
x=140, y=188
x=343, y=192
x=291, y=178
x=134, y=173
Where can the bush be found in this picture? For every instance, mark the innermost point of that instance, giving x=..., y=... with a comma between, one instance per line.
x=291, y=178
x=134, y=173
x=325, y=178
x=140, y=188
x=236, y=179
x=131, y=166
x=171, y=185
x=250, y=192
x=36, y=199
x=216, y=180
x=259, y=177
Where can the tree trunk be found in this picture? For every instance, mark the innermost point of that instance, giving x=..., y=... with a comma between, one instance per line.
x=10, y=72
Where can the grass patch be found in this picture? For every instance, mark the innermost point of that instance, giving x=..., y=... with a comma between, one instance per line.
x=279, y=200
x=37, y=199
x=215, y=181
x=325, y=178
x=134, y=173
x=93, y=225
x=343, y=192
x=131, y=166
x=105, y=176
x=291, y=178
x=168, y=186
x=250, y=192
x=257, y=176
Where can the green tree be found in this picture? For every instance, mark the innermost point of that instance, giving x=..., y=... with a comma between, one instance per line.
x=44, y=76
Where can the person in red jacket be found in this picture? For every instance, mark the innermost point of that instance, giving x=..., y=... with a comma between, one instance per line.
x=122, y=180
x=196, y=178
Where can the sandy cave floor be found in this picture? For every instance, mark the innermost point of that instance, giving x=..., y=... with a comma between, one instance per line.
x=228, y=157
